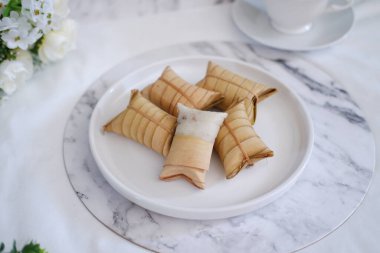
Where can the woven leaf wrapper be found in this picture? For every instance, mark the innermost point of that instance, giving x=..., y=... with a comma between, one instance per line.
x=250, y=108
x=170, y=89
x=233, y=87
x=145, y=123
x=190, y=153
x=237, y=143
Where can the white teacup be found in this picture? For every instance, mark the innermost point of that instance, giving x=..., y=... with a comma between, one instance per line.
x=296, y=16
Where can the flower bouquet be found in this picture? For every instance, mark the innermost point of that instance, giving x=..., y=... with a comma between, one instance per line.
x=32, y=33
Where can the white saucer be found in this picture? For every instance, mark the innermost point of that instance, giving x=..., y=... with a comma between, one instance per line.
x=328, y=29
x=133, y=170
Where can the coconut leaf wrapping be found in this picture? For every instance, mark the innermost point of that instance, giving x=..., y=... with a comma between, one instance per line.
x=233, y=87
x=250, y=108
x=237, y=143
x=170, y=89
x=144, y=122
x=190, y=153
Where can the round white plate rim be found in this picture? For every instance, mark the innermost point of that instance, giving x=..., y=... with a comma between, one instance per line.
x=203, y=213
x=236, y=19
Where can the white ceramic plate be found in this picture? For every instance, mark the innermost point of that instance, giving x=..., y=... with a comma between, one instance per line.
x=133, y=170
x=328, y=29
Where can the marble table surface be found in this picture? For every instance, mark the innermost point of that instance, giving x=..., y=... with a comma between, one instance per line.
x=37, y=199
x=336, y=177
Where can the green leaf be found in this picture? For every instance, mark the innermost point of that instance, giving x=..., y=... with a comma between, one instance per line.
x=14, y=248
x=32, y=248
x=13, y=5
x=6, y=53
x=34, y=51
x=28, y=248
x=37, y=45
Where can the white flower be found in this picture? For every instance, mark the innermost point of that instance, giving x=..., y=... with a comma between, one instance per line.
x=39, y=13
x=10, y=22
x=35, y=9
x=61, y=8
x=57, y=43
x=18, y=32
x=7, y=23
x=61, y=11
x=25, y=57
x=15, y=73
x=9, y=72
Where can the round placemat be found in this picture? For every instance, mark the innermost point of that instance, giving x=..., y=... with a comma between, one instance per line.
x=330, y=189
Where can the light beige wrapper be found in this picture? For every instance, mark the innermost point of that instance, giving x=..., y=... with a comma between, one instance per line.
x=237, y=143
x=188, y=158
x=234, y=87
x=145, y=123
x=170, y=89
x=190, y=153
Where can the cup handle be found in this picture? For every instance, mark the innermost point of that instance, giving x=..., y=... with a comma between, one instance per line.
x=339, y=7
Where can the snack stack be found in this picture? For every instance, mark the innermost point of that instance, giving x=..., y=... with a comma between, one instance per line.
x=237, y=143
x=172, y=105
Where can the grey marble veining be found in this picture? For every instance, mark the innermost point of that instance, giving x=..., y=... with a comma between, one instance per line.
x=331, y=187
